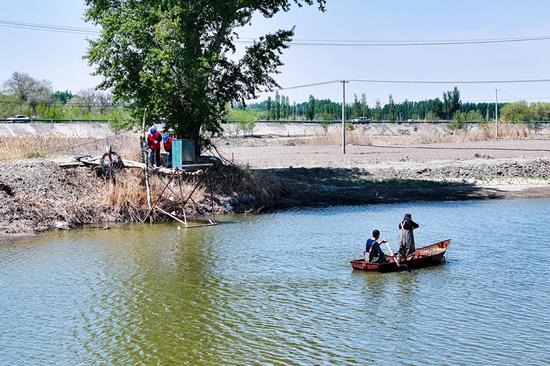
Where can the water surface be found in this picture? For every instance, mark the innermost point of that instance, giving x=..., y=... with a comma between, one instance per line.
x=278, y=289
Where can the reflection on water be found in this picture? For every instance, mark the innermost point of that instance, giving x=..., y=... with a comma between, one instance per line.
x=278, y=289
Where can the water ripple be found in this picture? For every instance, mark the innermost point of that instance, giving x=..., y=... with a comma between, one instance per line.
x=277, y=289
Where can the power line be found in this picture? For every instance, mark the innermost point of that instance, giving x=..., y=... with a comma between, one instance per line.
x=310, y=85
x=411, y=43
x=373, y=81
x=299, y=42
x=48, y=27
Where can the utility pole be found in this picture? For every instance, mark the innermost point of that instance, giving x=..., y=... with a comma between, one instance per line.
x=344, y=82
x=496, y=112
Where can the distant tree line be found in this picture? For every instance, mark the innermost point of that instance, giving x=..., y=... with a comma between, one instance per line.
x=449, y=107
x=25, y=95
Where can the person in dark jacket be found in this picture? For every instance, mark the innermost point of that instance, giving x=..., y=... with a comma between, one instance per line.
x=406, y=237
x=373, y=252
x=153, y=145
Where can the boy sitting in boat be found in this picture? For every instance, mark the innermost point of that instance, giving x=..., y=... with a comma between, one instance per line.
x=373, y=252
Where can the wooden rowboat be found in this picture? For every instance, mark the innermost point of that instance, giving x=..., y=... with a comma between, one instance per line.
x=430, y=255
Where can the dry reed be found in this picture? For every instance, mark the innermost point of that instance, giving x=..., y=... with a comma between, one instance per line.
x=40, y=146
x=366, y=137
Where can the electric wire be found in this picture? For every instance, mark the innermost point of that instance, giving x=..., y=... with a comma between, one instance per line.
x=299, y=42
x=372, y=81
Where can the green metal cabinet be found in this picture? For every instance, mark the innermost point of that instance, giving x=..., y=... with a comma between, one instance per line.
x=183, y=152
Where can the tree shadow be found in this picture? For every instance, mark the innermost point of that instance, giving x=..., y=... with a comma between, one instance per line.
x=340, y=186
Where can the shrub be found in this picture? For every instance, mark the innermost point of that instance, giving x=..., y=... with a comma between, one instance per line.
x=517, y=111
x=324, y=126
x=246, y=121
x=327, y=116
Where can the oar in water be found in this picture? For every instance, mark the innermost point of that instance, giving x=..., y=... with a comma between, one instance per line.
x=400, y=267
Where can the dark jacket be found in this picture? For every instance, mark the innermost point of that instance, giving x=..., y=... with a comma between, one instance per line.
x=408, y=225
x=376, y=255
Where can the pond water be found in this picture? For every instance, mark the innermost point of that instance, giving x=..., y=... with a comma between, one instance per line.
x=278, y=289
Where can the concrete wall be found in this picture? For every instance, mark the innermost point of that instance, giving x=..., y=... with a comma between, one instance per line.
x=83, y=130
x=102, y=130
x=310, y=129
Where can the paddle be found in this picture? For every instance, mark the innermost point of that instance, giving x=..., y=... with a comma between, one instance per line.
x=400, y=267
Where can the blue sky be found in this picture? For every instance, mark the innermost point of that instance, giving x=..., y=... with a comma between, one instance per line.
x=58, y=56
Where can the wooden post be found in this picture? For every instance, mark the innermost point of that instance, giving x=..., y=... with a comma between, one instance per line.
x=183, y=205
x=146, y=162
x=211, y=197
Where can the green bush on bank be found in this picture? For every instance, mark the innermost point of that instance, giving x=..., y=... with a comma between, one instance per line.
x=524, y=112
x=460, y=120
x=246, y=121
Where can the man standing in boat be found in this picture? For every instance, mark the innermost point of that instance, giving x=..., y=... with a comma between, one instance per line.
x=406, y=237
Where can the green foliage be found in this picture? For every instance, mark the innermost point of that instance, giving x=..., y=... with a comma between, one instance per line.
x=516, y=112
x=451, y=102
x=120, y=119
x=356, y=107
x=391, y=109
x=378, y=111
x=540, y=111
x=10, y=105
x=324, y=126
x=310, y=113
x=460, y=119
x=474, y=116
x=177, y=57
x=62, y=96
x=432, y=117
x=50, y=111
x=246, y=121
x=327, y=116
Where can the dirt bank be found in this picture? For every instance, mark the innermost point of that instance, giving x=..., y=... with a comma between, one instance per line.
x=38, y=195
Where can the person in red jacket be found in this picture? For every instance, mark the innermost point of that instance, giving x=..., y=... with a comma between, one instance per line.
x=168, y=148
x=153, y=144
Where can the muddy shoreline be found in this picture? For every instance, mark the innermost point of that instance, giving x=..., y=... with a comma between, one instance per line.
x=39, y=196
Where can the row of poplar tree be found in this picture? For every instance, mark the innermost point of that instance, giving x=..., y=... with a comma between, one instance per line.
x=280, y=108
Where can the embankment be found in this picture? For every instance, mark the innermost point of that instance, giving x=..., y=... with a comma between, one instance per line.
x=38, y=195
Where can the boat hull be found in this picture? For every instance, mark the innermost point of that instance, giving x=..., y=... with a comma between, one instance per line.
x=427, y=256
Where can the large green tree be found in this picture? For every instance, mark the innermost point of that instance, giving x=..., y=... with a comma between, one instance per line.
x=177, y=58
x=451, y=102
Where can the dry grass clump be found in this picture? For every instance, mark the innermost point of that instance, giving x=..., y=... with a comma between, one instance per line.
x=482, y=132
x=365, y=137
x=234, y=188
x=128, y=196
x=41, y=146
x=334, y=137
